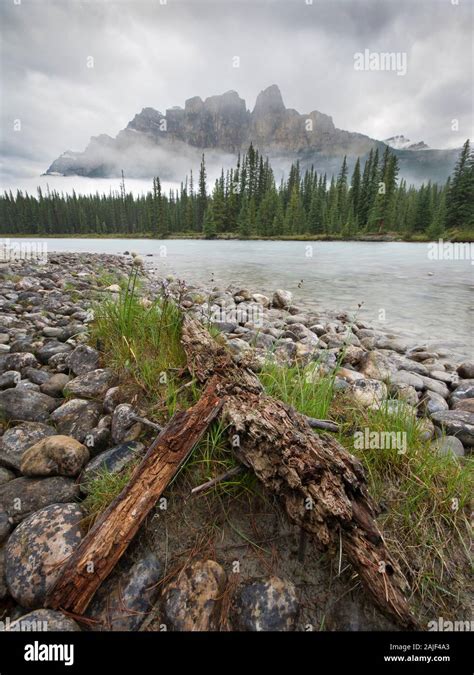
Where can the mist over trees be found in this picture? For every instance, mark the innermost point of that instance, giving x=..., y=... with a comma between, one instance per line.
x=245, y=201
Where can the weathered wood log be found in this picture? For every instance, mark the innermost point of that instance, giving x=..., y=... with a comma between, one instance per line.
x=100, y=550
x=321, y=485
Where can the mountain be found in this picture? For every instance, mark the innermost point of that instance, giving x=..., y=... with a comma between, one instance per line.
x=169, y=144
x=402, y=143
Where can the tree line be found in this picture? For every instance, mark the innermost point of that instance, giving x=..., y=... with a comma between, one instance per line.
x=246, y=201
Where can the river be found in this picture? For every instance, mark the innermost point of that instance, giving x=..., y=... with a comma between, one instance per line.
x=401, y=288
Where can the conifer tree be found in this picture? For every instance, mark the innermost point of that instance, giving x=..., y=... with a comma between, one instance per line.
x=460, y=197
x=202, y=196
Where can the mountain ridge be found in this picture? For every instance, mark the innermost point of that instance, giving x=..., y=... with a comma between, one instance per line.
x=154, y=143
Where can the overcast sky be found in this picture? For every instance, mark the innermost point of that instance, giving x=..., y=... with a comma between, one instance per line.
x=146, y=53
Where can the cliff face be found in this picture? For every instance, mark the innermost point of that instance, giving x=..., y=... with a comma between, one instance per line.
x=224, y=123
x=152, y=142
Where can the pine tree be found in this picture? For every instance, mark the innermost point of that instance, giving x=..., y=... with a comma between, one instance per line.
x=218, y=205
x=436, y=229
x=294, y=216
x=460, y=197
x=364, y=202
x=341, y=188
x=278, y=225
x=315, y=223
x=243, y=222
x=202, y=196
x=355, y=193
x=157, y=208
x=209, y=224
x=422, y=216
x=266, y=214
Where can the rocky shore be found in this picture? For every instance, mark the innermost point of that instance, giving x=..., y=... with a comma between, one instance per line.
x=64, y=417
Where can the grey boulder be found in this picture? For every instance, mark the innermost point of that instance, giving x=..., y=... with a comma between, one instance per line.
x=464, y=390
x=26, y=405
x=50, y=349
x=93, y=384
x=111, y=461
x=16, y=440
x=83, y=359
x=448, y=445
x=466, y=369
x=38, y=548
x=124, y=426
x=22, y=496
x=77, y=418
x=459, y=423
x=55, y=385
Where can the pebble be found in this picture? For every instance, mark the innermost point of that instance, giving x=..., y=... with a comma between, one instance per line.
x=54, y=385
x=55, y=456
x=191, y=603
x=458, y=423
x=17, y=439
x=448, y=445
x=125, y=599
x=92, y=384
x=268, y=604
x=113, y=461
x=76, y=418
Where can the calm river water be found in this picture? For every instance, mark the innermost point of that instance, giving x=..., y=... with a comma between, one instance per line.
x=402, y=289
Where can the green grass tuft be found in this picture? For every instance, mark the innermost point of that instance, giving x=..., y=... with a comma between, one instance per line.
x=300, y=387
x=103, y=488
x=142, y=343
x=212, y=457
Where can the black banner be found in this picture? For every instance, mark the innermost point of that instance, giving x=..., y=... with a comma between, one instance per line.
x=30, y=652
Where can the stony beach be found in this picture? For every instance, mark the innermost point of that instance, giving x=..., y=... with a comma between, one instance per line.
x=64, y=416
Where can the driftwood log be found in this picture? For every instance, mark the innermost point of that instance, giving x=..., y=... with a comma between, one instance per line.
x=103, y=546
x=321, y=485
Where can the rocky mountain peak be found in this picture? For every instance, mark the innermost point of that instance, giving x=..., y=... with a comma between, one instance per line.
x=269, y=102
x=193, y=105
x=146, y=121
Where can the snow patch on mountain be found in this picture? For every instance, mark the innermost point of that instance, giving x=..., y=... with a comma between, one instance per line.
x=400, y=142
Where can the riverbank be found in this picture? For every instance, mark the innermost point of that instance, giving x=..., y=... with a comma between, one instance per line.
x=419, y=291
x=90, y=347
x=455, y=237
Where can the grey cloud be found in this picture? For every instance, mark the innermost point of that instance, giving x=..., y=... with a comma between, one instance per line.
x=147, y=54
